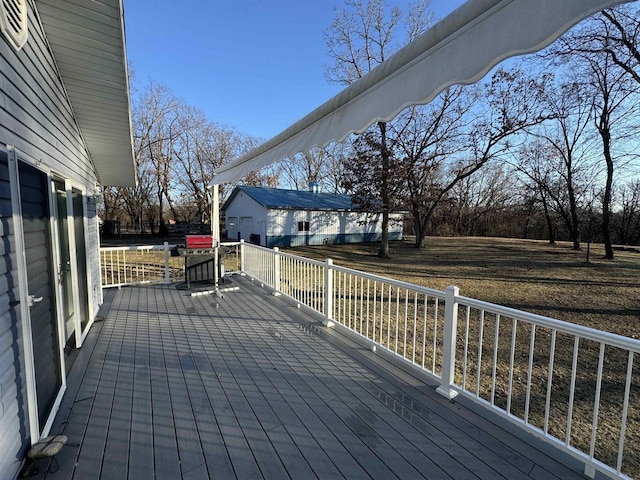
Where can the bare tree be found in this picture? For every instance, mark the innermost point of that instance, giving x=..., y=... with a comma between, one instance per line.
x=361, y=37
x=613, y=95
x=616, y=34
x=156, y=116
x=455, y=140
x=627, y=219
x=569, y=154
x=201, y=147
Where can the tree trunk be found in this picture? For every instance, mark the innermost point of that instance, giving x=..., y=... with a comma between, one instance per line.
x=419, y=231
x=384, y=239
x=573, y=208
x=605, y=133
x=384, y=154
x=606, y=201
x=552, y=236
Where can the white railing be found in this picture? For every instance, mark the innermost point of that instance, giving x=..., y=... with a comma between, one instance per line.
x=571, y=385
x=145, y=264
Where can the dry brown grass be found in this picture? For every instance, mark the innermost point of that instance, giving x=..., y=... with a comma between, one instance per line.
x=537, y=277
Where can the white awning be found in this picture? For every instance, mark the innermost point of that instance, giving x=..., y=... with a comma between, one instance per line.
x=88, y=43
x=462, y=48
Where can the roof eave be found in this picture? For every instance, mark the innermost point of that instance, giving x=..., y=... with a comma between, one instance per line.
x=89, y=47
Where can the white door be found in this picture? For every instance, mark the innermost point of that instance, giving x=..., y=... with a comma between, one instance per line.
x=246, y=228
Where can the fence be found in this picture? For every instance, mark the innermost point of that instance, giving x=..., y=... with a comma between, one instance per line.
x=571, y=385
x=144, y=264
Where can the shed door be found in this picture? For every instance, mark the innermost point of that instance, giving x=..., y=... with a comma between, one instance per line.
x=246, y=227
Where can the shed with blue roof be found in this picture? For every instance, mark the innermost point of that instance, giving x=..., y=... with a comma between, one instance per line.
x=275, y=217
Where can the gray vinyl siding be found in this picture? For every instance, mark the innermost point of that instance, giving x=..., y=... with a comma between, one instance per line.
x=35, y=114
x=36, y=118
x=13, y=414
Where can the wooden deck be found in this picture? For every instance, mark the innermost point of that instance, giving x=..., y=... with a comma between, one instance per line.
x=172, y=386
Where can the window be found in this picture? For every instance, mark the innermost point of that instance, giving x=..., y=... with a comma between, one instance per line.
x=13, y=22
x=303, y=226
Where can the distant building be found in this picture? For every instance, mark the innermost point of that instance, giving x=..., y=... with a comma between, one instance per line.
x=275, y=217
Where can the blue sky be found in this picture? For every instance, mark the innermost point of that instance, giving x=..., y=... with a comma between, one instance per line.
x=257, y=65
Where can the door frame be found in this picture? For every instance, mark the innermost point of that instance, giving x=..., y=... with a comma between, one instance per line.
x=71, y=186
x=36, y=430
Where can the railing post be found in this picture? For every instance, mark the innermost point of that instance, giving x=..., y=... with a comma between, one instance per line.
x=242, y=271
x=328, y=293
x=276, y=271
x=449, y=343
x=167, y=273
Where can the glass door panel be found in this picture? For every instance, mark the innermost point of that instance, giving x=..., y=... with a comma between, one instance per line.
x=64, y=269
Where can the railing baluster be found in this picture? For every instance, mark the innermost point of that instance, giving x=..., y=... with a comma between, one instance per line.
x=547, y=406
x=480, y=339
x=572, y=388
x=424, y=329
x=435, y=336
x=596, y=405
x=532, y=342
x=406, y=313
x=395, y=347
x=415, y=325
x=368, y=305
x=389, y=301
x=625, y=410
x=466, y=348
x=512, y=357
x=375, y=303
x=495, y=359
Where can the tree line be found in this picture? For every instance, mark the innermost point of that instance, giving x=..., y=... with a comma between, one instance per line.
x=542, y=148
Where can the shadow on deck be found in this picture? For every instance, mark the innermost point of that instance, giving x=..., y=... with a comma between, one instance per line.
x=173, y=386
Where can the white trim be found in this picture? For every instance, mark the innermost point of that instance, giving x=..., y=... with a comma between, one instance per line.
x=54, y=411
x=55, y=257
x=90, y=279
x=23, y=293
x=73, y=258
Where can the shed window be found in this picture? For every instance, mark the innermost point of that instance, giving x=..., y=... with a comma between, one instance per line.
x=303, y=226
x=13, y=22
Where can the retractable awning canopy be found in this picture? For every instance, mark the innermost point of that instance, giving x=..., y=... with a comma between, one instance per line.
x=88, y=42
x=460, y=49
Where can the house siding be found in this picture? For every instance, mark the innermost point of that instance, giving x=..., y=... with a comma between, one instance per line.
x=13, y=415
x=328, y=227
x=37, y=119
x=243, y=206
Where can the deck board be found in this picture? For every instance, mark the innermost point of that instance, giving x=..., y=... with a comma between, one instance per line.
x=247, y=386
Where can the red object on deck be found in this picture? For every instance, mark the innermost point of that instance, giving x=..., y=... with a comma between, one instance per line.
x=199, y=241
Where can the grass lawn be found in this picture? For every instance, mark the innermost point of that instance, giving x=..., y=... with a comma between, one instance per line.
x=530, y=275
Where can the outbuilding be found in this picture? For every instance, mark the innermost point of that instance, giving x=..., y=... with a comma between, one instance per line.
x=65, y=130
x=275, y=217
